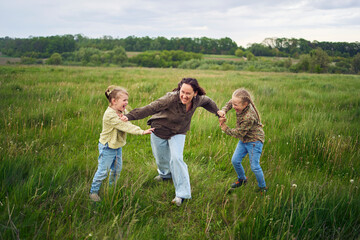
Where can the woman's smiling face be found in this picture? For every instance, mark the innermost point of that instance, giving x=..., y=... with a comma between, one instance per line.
x=187, y=93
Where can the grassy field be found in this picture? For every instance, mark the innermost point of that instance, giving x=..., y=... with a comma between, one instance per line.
x=50, y=125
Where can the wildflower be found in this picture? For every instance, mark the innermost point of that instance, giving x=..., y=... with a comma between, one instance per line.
x=351, y=181
x=209, y=136
x=294, y=185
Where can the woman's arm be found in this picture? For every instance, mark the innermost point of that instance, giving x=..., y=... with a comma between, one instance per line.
x=209, y=105
x=154, y=107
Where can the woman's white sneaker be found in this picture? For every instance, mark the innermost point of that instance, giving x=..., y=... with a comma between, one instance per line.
x=94, y=197
x=178, y=201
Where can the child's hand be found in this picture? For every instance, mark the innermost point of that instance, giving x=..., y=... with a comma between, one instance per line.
x=222, y=120
x=221, y=113
x=148, y=131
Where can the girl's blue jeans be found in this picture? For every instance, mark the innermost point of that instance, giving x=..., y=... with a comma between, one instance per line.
x=168, y=154
x=254, y=149
x=109, y=160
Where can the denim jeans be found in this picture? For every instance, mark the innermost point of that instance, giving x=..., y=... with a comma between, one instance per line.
x=168, y=154
x=109, y=160
x=254, y=149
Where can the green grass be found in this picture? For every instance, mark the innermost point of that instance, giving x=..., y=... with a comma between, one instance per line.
x=50, y=125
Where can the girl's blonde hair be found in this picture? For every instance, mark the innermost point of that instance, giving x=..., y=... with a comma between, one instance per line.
x=112, y=91
x=245, y=96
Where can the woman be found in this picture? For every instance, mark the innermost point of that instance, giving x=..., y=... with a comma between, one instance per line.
x=171, y=117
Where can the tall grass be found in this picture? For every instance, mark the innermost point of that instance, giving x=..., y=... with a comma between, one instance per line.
x=50, y=124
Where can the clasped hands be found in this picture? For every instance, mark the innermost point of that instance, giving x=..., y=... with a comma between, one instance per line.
x=222, y=120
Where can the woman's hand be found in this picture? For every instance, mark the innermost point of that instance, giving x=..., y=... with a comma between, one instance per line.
x=221, y=113
x=148, y=131
x=122, y=117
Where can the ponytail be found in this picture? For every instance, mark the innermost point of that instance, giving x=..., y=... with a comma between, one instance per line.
x=112, y=91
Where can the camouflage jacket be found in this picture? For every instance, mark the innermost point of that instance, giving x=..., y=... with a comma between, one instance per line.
x=248, y=128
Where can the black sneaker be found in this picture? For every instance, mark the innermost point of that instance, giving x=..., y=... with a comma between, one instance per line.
x=262, y=190
x=239, y=183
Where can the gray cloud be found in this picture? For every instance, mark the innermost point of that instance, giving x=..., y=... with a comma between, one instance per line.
x=244, y=21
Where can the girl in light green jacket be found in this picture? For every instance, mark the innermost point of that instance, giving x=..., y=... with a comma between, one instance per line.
x=113, y=138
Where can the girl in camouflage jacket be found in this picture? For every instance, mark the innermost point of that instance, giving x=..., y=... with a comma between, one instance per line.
x=249, y=131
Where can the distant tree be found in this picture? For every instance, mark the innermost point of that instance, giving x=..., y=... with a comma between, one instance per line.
x=356, y=64
x=55, y=59
x=260, y=50
x=319, y=61
x=119, y=55
x=249, y=55
x=303, y=65
x=239, y=52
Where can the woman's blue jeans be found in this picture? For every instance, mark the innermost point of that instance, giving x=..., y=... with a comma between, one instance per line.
x=168, y=154
x=254, y=149
x=109, y=160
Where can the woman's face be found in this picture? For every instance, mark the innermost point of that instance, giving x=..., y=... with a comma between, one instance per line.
x=187, y=93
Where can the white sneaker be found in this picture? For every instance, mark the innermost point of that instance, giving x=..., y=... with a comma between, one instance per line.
x=160, y=179
x=178, y=201
x=94, y=197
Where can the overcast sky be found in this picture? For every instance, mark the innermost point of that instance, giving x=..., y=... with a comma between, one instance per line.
x=244, y=21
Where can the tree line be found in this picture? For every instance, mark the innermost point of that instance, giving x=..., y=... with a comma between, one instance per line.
x=43, y=47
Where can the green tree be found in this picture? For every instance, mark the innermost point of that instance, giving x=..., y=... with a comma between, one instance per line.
x=55, y=59
x=319, y=61
x=249, y=55
x=356, y=64
x=239, y=52
x=119, y=55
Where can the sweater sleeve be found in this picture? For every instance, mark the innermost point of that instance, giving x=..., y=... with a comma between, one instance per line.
x=127, y=127
x=154, y=107
x=209, y=105
x=227, y=107
x=241, y=130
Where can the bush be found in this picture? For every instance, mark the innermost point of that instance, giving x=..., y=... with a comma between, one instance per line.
x=239, y=52
x=356, y=64
x=163, y=58
x=27, y=60
x=249, y=55
x=55, y=59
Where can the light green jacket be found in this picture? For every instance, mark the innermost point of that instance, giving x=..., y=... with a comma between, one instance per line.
x=114, y=130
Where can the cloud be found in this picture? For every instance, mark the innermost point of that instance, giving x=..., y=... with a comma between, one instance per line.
x=243, y=21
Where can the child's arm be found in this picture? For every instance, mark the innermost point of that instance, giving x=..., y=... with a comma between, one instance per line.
x=238, y=132
x=148, y=131
x=227, y=107
x=127, y=127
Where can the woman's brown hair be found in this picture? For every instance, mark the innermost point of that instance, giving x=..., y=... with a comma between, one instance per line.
x=193, y=83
